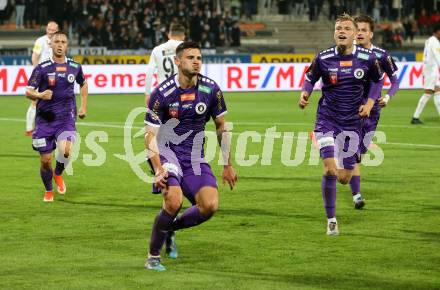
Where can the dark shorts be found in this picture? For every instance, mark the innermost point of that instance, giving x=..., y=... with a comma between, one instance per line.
x=369, y=126
x=46, y=135
x=189, y=179
x=337, y=142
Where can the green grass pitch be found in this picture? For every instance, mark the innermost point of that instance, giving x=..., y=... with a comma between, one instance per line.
x=269, y=232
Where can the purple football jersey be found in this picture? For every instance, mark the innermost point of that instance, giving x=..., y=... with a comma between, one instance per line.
x=192, y=107
x=60, y=79
x=344, y=78
x=389, y=67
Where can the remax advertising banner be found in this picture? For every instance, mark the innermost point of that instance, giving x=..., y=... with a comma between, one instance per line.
x=121, y=79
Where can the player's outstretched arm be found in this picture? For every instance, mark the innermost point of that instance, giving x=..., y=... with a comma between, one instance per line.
x=35, y=95
x=84, y=94
x=228, y=175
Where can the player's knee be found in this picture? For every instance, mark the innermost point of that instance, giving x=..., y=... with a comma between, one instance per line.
x=173, y=207
x=344, y=179
x=46, y=163
x=209, y=209
x=330, y=170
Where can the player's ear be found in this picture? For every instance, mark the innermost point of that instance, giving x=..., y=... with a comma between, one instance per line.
x=176, y=60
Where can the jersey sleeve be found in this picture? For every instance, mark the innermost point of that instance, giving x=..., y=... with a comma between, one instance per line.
x=218, y=105
x=80, y=78
x=435, y=50
x=388, y=65
x=35, y=79
x=313, y=74
x=155, y=111
x=375, y=75
x=38, y=46
x=151, y=68
x=375, y=71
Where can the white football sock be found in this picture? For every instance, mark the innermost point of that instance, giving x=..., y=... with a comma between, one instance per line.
x=437, y=101
x=332, y=220
x=30, y=117
x=421, y=105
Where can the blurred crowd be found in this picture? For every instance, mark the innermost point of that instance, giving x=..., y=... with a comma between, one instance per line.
x=129, y=24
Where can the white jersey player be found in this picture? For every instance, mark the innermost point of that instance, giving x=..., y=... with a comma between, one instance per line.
x=40, y=52
x=431, y=62
x=162, y=59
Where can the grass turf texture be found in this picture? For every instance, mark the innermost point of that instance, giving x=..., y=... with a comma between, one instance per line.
x=268, y=234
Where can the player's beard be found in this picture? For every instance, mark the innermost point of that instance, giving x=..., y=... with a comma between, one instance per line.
x=189, y=73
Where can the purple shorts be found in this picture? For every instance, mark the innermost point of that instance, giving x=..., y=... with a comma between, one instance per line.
x=190, y=182
x=339, y=143
x=46, y=135
x=369, y=126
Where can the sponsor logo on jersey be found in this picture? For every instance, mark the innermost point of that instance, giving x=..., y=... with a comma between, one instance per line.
x=187, y=97
x=204, y=89
x=61, y=69
x=72, y=64
x=363, y=56
x=346, y=63
x=187, y=106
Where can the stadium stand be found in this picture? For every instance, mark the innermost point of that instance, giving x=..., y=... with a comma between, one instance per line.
x=127, y=24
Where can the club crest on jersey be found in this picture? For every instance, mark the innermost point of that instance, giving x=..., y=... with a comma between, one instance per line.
x=71, y=78
x=333, y=78
x=200, y=108
x=359, y=73
x=51, y=79
x=173, y=110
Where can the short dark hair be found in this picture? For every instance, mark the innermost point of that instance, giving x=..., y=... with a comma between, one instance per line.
x=366, y=19
x=185, y=45
x=177, y=29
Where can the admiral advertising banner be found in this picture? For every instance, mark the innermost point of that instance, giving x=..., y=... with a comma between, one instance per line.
x=120, y=79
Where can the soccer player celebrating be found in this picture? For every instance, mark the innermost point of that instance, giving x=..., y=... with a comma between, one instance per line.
x=344, y=69
x=162, y=58
x=162, y=61
x=52, y=86
x=175, y=121
x=41, y=52
x=431, y=61
x=365, y=25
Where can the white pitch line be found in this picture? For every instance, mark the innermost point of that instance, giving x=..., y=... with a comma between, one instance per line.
x=103, y=125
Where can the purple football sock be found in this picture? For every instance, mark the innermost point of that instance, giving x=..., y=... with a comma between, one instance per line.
x=190, y=218
x=355, y=184
x=328, y=187
x=46, y=176
x=162, y=224
x=59, y=168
